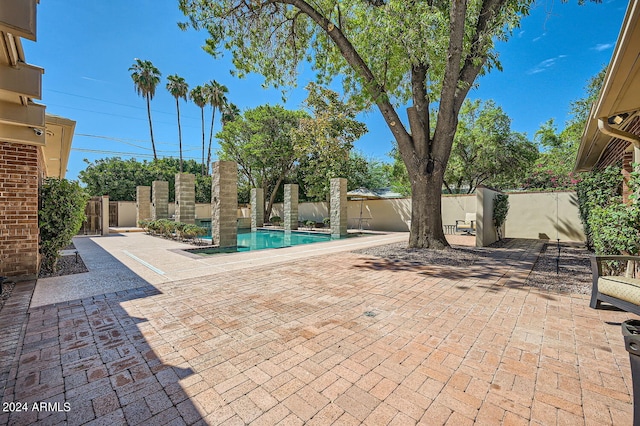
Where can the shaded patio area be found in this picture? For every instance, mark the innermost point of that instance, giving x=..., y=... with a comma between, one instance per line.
x=338, y=338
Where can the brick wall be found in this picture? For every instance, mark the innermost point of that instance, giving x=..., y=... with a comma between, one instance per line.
x=20, y=174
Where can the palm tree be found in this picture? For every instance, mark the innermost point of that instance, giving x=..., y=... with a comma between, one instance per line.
x=146, y=77
x=178, y=89
x=229, y=113
x=216, y=97
x=199, y=97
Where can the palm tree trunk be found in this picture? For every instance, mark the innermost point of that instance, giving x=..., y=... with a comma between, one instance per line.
x=202, y=117
x=179, y=132
x=213, y=116
x=153, y=145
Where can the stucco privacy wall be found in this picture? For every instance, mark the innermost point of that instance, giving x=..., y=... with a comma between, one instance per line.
x=545, y=215
x=485, y=230
x=127, y=212
x=19, y=234
x=531, y=215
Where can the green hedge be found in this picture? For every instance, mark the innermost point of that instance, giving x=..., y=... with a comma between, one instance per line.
x=173, y=230
x=60, y=217
x=611, y=226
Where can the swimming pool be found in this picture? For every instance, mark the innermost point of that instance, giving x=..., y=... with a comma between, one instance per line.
x=263, y=239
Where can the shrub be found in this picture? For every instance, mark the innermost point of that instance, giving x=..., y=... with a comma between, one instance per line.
x=193, y=232
x=597, y=189
x=500, y=210
x=326, y=221
x=616, y=229
x=144, y=224
x=310, y=223
x=276, y=220
x=60, y=217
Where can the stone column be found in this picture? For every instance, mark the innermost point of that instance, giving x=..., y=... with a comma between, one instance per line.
x=159, y=199
x=105, y=215
x=290, y=207
x=143, y=203
x=338, y=207
x=224, y=203
x=257, y=208
x=185, y=198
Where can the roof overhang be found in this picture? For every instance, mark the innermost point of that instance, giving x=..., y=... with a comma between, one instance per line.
x=58, y=138
x=22, y=121
x=619, y=99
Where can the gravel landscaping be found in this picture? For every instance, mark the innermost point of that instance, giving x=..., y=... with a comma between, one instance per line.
x=573, y=274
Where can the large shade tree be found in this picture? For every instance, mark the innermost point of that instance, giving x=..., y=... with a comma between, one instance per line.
x=261, y=142
x=486, y=151
x=388, y=53
x=324, y=139
x=178, y=88
x=199, y=97
x=145, y=78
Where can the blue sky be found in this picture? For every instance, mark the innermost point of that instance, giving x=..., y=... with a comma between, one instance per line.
x=87, y=47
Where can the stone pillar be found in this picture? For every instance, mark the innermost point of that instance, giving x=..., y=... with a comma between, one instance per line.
x=105, y=215
x=257, y=208
x=185, y=198
x=224, y=203
x=159, y=199
x=143, y=203
x=338, y=207
x=290, y=207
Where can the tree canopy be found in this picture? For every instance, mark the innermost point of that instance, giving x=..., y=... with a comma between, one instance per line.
x=145, y=78
x=387, y=53
x=486, y=151
x=324, y=139
x=260, y=141
x=118, y=178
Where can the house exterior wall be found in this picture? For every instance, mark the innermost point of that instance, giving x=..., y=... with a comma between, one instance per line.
x=20, y=176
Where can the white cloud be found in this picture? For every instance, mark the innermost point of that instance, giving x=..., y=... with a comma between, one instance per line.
x=602, y=46
x=93, y=79
x=539, y=37
x=545, y=65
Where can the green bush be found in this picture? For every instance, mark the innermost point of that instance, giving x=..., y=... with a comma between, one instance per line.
x=500, y=210
x=193, y=232
x=616, y=229
x=60, y=217
x=612, y=227
x=597, y=189
x=144, y=224
x=276, y=220
x=174, y=230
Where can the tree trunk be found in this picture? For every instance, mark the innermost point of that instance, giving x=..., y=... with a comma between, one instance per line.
x=202, y=119
x=272, y=196
x=426, y=208
x=179, y=132
x=213, y=116
x=153, y=144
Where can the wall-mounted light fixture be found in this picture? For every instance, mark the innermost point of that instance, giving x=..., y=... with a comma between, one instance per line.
x=618, y=118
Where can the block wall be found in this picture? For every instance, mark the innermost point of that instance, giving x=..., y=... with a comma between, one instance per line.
x=19, y=234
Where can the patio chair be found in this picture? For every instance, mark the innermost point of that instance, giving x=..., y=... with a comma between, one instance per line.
x=615, y=282
x=468, y=225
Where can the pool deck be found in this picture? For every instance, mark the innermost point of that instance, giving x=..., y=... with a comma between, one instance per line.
x=316, y=335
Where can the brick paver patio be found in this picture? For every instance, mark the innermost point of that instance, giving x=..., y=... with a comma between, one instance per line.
x=336, y=339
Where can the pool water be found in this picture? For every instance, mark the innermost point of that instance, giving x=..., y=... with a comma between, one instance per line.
x=268, y=239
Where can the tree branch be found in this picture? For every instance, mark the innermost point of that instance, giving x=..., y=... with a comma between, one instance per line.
x=447, y=114
x=476, y=58
x=354, y=59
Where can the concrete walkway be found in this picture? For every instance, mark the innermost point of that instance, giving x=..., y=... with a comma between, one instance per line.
x=327, y=338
